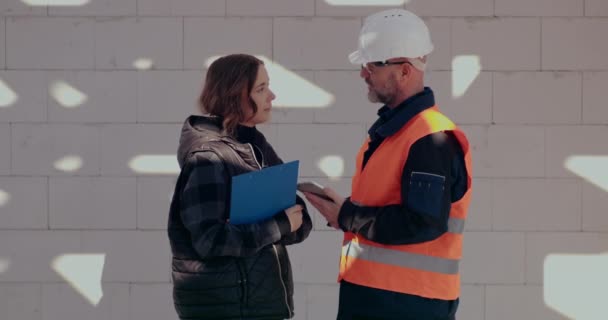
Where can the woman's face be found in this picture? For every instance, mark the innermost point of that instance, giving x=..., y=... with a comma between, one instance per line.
x=262, y=96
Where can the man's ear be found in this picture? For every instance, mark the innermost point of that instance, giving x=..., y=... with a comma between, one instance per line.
x=405, y=70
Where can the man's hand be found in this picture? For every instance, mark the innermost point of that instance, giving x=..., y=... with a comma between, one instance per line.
x=328, y=209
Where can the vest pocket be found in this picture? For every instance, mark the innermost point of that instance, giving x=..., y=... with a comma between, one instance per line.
x=425, y=193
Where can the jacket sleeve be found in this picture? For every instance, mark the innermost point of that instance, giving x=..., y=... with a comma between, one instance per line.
x=426, y=195
x=203, y=210
x=302, y=233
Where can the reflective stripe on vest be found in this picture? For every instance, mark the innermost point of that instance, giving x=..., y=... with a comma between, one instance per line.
x=456, y=225
x=399, y=258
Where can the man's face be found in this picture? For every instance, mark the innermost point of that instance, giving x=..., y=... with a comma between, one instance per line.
x=381, y=79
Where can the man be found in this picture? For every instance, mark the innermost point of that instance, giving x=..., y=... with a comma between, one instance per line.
x=404, y=220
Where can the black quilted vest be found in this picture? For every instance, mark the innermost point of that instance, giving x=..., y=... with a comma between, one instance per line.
x=257, y=287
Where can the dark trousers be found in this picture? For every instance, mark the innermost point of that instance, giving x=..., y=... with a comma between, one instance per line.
x=364, y=303
x=357, y=317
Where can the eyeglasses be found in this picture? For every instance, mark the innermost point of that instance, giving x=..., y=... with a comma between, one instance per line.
x=370, y=66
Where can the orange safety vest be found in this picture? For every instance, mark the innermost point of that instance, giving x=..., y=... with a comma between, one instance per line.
x=428, y=269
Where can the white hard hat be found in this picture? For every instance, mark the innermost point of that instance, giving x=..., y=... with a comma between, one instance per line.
x=390, y=34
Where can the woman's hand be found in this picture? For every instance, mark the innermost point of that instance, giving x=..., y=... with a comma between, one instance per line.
x=294, y=214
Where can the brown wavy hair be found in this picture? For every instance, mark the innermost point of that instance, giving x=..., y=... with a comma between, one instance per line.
x=227, y=88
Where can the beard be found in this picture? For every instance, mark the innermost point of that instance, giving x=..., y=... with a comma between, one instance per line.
x=385, y=94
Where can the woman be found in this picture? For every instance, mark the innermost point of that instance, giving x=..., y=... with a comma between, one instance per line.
x=221, y=270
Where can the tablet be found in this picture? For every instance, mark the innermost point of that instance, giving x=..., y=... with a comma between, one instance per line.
x=314, y=188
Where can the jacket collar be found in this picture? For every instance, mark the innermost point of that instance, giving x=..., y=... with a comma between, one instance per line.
x=391, y=120
x=198, y=131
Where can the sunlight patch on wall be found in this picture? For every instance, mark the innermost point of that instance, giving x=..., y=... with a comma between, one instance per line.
x=143, y=64
x=154, y=164
x=210, y=60
x=55, y=2
x=69, y=163
x=332, y=166
x=575, y=285
x=4, y=264
x=83, y=272
x=366, y=2
x=67, y=95
x=8, y=97
x=465, y=69
x=591, y=168
x=5, y=197
x=292, y=90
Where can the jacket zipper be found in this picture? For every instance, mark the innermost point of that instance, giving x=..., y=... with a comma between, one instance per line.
x=276, y=254
x=254, y=157
x=426, y=173
x=243, y=284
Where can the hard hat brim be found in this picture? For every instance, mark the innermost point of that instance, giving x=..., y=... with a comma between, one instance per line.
x=356, y=57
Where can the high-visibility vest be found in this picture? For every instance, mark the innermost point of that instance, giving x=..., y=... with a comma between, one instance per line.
x=428, y=269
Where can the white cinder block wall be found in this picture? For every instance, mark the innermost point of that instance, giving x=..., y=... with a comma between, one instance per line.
x=93, y=93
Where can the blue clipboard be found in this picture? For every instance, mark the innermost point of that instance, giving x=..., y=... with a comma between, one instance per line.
x=258, y=195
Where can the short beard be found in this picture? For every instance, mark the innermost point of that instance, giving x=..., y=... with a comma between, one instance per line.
x=375, y=97
x=385, y=95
